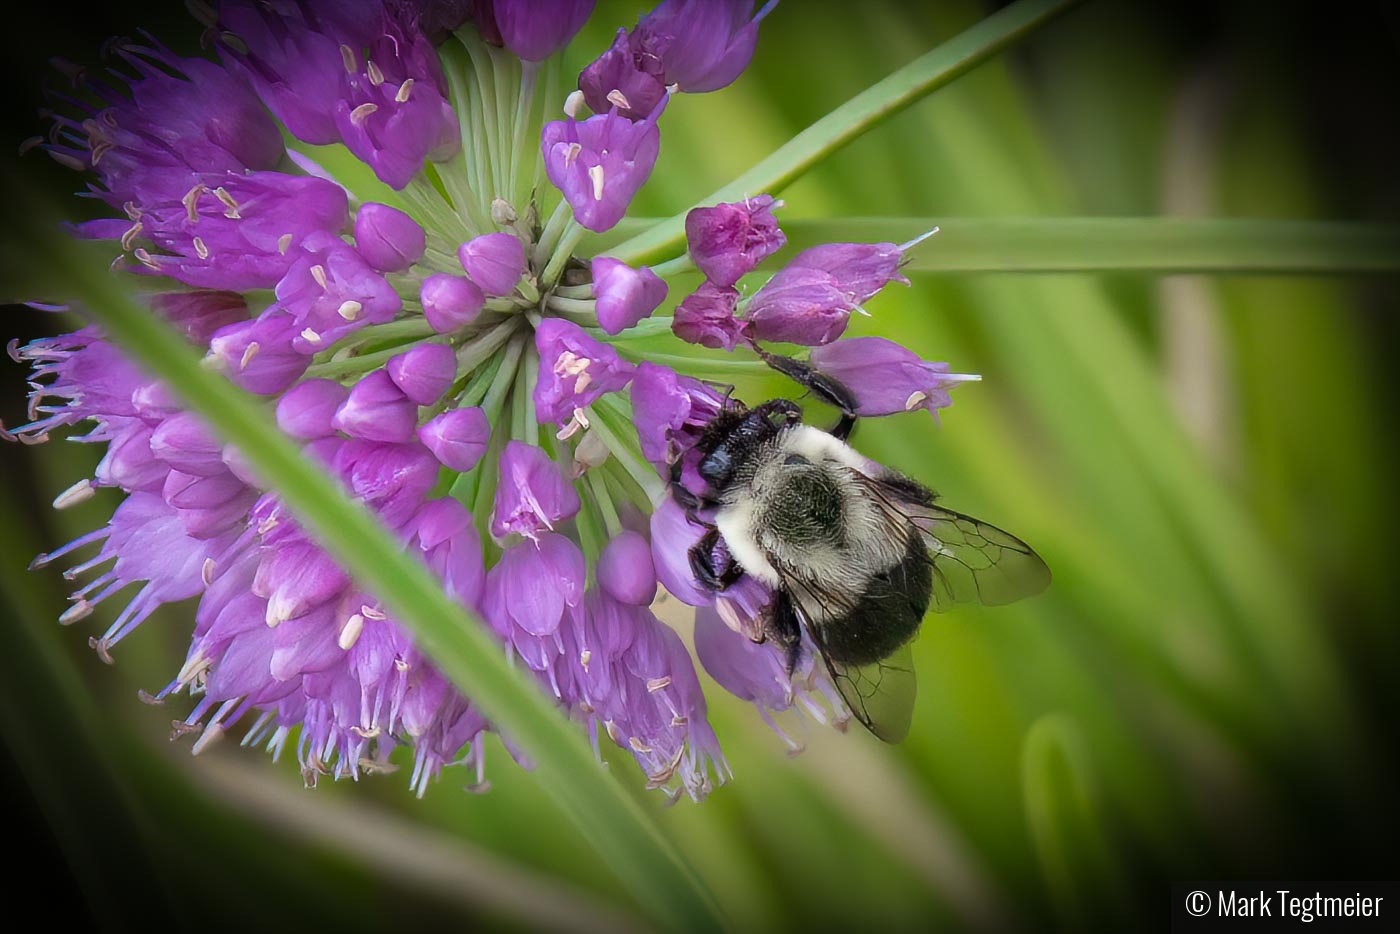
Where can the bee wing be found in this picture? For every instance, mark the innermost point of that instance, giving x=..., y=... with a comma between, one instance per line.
x=880, y=695
x=973, y=561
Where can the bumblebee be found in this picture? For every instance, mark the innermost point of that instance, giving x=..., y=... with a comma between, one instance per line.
x=854, y=553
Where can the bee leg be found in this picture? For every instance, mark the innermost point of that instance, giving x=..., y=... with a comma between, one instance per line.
x=785, y=630
x=829, y=389
x=702, y=564
x=688, y=500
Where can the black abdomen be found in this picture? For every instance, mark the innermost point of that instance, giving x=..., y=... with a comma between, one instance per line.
x=887, y=615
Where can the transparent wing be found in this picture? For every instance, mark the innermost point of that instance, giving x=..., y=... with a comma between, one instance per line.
x=880, y=695
x=973, y=561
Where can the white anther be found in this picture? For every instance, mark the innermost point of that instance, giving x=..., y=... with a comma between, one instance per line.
x=131, y=234
x=585, y=657
x=618, y=99
x=230, y=205
x=362, y=113
x=405, y=92
x=596, y=174
x=376, y=76
x=658, y=684
x=191, y=201
x=200, y=249
x=80, y=610
x=310, y=335
x=103, y=648
x=206, y=571
x=349, y=309
x=373, y=612
x=284, y=243
x=80, y=492
x=349, y=59
x=915, y=399
x=573, y=104
x=571, y=152
x=249, y=353
x=350, y=632
x=318, y=272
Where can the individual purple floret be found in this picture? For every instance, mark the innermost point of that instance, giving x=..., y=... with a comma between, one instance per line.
x=702, y=45
x=529, y=592
x=260, y=355
x=706, y=317
x=494, y=261
x=885, y=377
x=600, y=163
x=625, y=570
x=810, y=300
x=450, y=302
x=693, y=45
x=424, y=372
x=575, y=371
x=757, y=672
x=633, y=83
x=857, y=270
x=534, y=493
x=532, y=29
x=669, y=411
x=458, y=438
x=728, y=241
x=307, y=410
x=624, y=295
x=387, y=238
x=377, y=410
x=331, y=291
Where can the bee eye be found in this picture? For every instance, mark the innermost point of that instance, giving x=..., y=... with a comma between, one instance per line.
x=796, y=460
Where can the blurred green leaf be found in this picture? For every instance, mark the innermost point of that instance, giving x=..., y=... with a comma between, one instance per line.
x=1066, y=828
x=858, y=116
x=1157, y=245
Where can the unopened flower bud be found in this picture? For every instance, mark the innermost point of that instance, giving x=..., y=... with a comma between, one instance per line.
x=534, y=29
x=308, y=408
x=387, y=238
x=458, y=438
x=495, y=261
x=450, y=302
x=377, y=410
x=625, y=570
x=425, y=372
x=624, y=295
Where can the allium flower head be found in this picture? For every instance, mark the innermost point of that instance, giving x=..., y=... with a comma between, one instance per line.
x=461, y=361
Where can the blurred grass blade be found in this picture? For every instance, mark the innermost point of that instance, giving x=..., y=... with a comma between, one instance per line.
x=860, y=114
x=1121, y=244
x=459, y=644
x=1059, y=798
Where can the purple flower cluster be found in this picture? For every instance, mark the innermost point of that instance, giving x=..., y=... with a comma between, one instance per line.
x=447, y=359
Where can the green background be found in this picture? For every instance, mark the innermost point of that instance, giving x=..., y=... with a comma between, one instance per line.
x=1207, y=464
